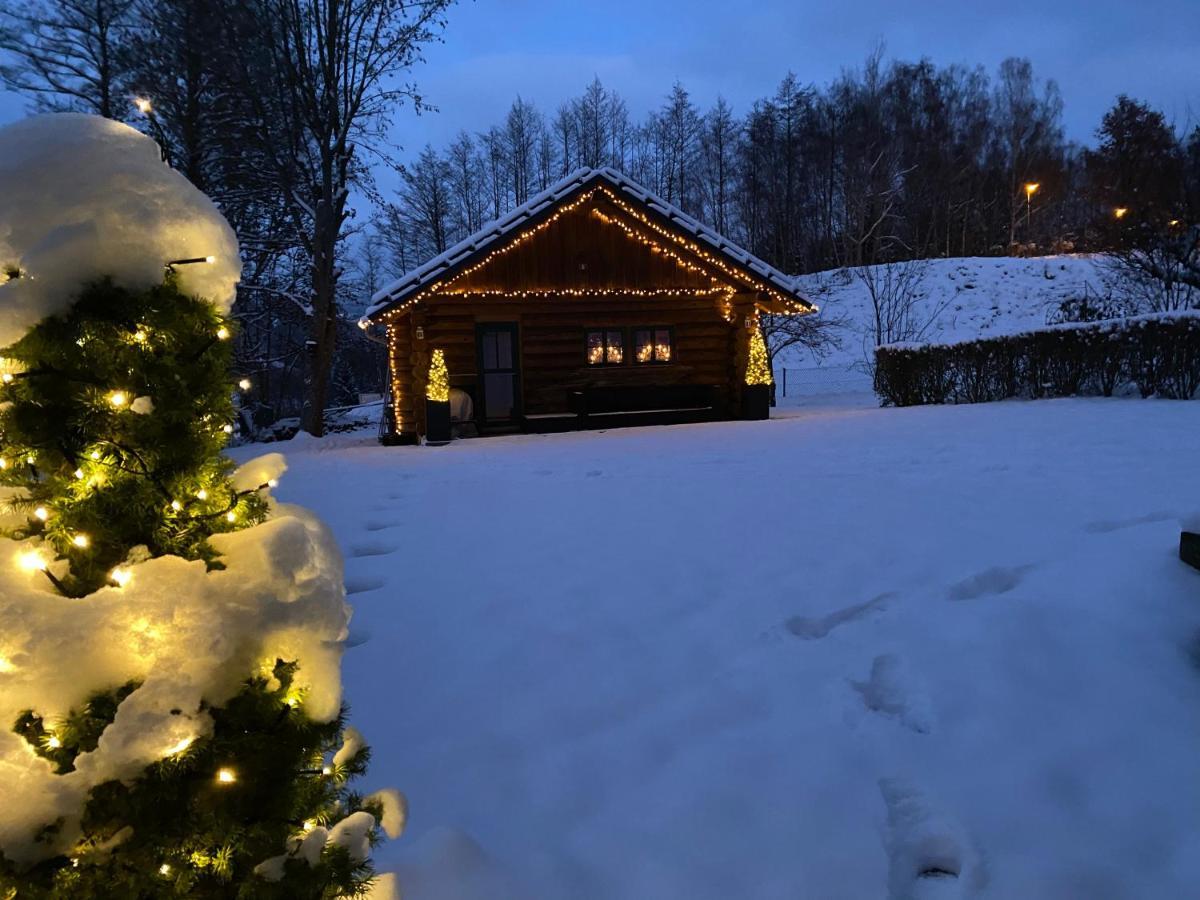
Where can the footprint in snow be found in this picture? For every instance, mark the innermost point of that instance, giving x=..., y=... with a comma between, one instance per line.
x=930, y=854
x=996, y=580
x=362, y=585
x=594, y=473
x=1106, y=525
x=360, y=551
x=380, y=526
x=893, y=690
x=808, y=629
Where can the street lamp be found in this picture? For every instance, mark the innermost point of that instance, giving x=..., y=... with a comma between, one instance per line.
x=1030, y=189
x=1120, y=212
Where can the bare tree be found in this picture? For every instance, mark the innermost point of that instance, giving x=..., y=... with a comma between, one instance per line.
x=325, y=78
x=67, y=54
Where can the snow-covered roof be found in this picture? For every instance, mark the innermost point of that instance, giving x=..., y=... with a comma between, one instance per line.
x=447, y=263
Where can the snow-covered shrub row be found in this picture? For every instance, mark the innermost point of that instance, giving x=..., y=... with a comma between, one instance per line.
x=1156, y=354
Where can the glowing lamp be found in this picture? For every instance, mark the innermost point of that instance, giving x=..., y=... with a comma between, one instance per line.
x=1031, y=188
x=226, y=776
x=1120, y=212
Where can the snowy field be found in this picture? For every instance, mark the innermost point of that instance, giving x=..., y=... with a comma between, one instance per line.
x=808, y=657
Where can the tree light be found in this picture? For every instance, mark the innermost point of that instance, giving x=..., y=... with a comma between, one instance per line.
x=6, y=378
x=95, y=454
x=3, y=463
x=176, y=505
x=6, y=665
x=180, y=747
x=1120, y=212
x=79, y=474
x=118, y=398
x=53, y=742
x=81, y=540
x=120, y=576
x=228, y=429
x=41, y=514
x=222, y=333
x=272, y=482
x=141, y=336
x=164, y=869
x=202, y=494
x=244, y=384
x=144, y=106
x=226, y=776
x=32, y=561
x=231, y=516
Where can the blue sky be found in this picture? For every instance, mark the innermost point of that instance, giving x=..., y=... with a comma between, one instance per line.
x=547, y=50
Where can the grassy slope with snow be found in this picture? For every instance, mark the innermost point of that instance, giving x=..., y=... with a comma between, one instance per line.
x=972, y=297
x=798, y=658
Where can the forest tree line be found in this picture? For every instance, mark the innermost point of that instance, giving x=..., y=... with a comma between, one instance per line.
x=281, y=110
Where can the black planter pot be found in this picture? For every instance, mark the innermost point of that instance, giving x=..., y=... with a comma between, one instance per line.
x=437, y=422
x=1189, y=548
x=756, y=402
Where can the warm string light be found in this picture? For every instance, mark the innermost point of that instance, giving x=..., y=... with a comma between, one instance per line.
x=437, y=388
x=226, y=776
x=120, y=576
x=758, y=366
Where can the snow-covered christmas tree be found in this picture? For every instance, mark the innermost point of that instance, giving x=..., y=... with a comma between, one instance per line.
x=171, y=720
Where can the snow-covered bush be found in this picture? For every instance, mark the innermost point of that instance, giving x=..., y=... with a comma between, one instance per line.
x=1156, y=354
x=170, y=692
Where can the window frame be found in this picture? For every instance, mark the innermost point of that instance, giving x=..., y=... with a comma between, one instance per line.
x=669, y=329
x=605, y=331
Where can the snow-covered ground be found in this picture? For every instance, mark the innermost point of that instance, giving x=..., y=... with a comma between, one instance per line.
x=958, y=299
x=808, y=657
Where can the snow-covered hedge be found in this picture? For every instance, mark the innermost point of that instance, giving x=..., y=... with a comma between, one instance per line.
x=1156, y=354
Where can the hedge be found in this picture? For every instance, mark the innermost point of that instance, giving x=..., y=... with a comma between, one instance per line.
x=1156, y=354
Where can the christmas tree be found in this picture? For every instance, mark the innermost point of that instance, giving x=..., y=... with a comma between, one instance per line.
x=758, y=366
x=170, y=677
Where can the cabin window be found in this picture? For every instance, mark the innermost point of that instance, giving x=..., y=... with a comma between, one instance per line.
x=652, y=346
x=605, y=347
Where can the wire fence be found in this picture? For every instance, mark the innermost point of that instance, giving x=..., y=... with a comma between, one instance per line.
x=815, y=380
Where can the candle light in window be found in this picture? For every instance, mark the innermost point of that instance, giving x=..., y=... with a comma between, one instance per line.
x=596, y=354
x=662, y=352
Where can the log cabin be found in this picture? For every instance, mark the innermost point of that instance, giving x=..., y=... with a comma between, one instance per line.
x=595, y=304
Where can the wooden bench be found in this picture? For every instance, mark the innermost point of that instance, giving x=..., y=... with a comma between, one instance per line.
x=605, y=406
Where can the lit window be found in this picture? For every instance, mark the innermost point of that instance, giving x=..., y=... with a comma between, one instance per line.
x=605, y=347
x=652, y=345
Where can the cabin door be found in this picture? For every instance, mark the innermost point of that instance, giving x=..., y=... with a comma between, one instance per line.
x=499, y=373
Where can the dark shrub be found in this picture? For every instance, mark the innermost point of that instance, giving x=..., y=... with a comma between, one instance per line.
x=1158, y=354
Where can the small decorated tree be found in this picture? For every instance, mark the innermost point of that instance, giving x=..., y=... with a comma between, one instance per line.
x=437, y=401
x=169, y=668
x=756, y=395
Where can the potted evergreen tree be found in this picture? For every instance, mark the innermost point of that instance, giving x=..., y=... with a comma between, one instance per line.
x=756, y=395
x=437, y=402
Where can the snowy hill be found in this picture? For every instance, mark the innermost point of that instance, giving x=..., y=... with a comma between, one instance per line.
x=959, y=298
